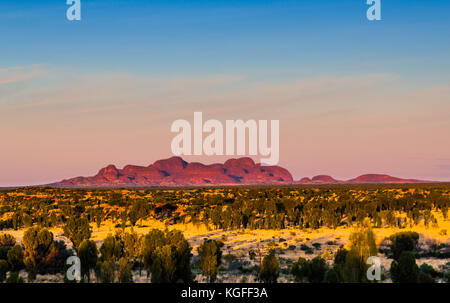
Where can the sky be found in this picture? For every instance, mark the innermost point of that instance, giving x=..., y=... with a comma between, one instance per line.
x=353, y=96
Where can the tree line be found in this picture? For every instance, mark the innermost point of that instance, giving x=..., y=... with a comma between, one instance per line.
x=231, y=208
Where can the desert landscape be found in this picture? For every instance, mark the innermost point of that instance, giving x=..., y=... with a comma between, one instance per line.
x=229, y=233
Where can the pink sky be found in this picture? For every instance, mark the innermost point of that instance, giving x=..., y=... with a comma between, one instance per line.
x=58, y=124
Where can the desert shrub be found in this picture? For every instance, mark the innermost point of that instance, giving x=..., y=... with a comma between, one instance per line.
x=313, y=271
x=14, y=278
x=425, y=278
x=7, y=240
x=270, y=269
x=229, y=258
x=445, y=271
x=403, y=241
x=304, y=247
x=317, y=245
x=307, y=249
x=429, y=270
x=15, y=258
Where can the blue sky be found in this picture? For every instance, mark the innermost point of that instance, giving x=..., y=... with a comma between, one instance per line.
x=204, y=37
x=352, y=96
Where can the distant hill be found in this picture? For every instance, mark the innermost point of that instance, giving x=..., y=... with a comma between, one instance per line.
x=363, y=179
x=177, y=172
x=374, y=178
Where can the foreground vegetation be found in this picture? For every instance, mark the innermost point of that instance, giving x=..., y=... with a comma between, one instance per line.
x=132, y=235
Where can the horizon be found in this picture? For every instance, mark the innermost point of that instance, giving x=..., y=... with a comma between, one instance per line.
x=340, y=181
x=352, y=96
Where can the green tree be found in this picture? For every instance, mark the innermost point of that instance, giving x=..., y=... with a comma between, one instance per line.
x=150, y=242
x=166, y=256
x=362, y=246
x=182, y=252
x=210, y=254
x=111, y=249
x=99, y=216
x=164, y=265
x=88, y=254
x=77, y=229
x=105, y=271
x=403, y=241
x=405, y=270
x=38, y=248
x=270, y=268
x=15, y=258
x=125, y=273
x=130, y=245
x=139, y=210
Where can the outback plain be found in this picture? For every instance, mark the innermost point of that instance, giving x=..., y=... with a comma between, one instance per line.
x=304, y=229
